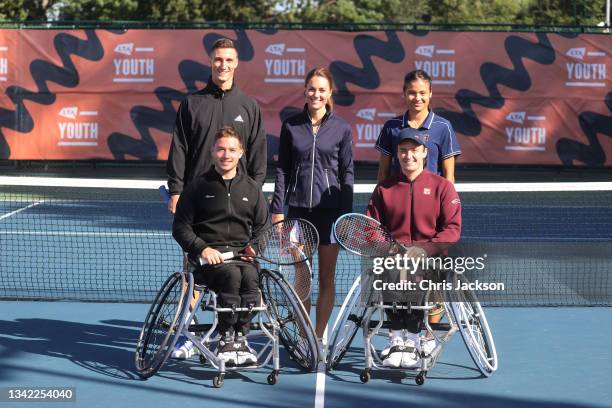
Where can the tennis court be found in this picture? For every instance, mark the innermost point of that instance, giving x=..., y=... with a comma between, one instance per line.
x=104, y=248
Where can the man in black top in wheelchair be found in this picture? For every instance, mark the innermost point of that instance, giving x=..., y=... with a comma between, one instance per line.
x=220, y=212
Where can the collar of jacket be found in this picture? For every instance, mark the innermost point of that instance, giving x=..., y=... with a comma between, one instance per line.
x=215, y=90
x=402, y=177
x=307, y=115
x=212, y=174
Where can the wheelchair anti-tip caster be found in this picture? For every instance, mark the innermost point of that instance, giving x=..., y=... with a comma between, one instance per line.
x=365, y=375
x=273, y=377
x=218, y=380
x=420, y=378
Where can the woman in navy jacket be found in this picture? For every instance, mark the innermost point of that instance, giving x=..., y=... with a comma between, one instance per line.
x=314, y=177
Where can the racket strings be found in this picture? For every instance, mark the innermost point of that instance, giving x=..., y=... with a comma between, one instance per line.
x=363, y=235
x=289, y=241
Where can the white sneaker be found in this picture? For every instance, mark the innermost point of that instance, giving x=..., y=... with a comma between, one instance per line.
x=428, y=344
x=392, y=355
x=410, y=356
x=246, y=356
x=322, y=350
x=183, y=349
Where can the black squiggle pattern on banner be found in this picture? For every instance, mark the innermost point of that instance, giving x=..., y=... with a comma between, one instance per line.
x=493, y=75
x=367, y=77
x=42, y=72
x=273, y=141
x=146, y=118
x=591, y=123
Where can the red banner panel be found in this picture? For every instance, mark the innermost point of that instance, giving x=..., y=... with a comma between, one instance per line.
x=513, y=98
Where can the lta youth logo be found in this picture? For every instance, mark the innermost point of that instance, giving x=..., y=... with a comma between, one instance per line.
x=588, y=68
x=3, y=63
x=368, y=124
x=77, y=127
x=437, y=64
x=285, y=64
x=135, y=64
x=526, y=132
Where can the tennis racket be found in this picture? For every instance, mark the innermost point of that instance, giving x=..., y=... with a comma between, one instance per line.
x=299, y=277
x=288, y=242
x=364, y=236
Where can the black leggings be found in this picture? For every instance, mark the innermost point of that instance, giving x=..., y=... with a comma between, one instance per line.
x=236, y=284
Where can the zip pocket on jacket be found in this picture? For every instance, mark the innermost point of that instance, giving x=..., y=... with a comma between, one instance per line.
x=327, y=180
x=297, y=175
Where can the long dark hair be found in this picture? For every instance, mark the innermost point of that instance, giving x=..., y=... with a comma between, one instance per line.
x=414, y=75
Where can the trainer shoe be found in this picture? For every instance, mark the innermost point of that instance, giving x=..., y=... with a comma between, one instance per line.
x=428, y=344
x=226, y=351
x=392, y=355
x=246, y=356
x=183, y=349
x=410, y=356
x=322, y=350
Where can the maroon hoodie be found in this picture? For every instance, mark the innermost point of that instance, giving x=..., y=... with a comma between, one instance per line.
x=426, y=211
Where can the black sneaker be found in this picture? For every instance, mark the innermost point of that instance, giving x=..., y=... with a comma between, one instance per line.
x=226, y=351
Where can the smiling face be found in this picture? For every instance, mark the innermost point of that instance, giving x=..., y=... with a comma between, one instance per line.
x=411, y=156
x=318, y=93
x=417, y=95
x=227, y=151
x=223, y=62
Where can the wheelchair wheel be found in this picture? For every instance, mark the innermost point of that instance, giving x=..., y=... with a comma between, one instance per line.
x=295, y=331
x=346, y=326
x=474, y=328
x=162, y=325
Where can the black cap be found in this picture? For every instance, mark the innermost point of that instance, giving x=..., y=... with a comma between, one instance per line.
x=409, y=133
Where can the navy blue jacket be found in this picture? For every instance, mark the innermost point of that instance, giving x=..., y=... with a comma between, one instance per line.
x=314, y=172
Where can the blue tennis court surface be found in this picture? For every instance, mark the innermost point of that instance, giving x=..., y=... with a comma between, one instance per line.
x=106, y=244
x=549, y=357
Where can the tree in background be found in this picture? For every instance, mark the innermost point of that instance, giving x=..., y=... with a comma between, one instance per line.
x=477, y=11
x=539, y=12
x=566, y=12
x=141, y=10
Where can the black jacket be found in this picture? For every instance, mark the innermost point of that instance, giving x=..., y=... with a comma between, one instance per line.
x=314, y=172
x=199, y=117
x=208, y=214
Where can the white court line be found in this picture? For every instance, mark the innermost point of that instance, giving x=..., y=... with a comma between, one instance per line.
x=320, y=384
x=78, y=234
x=20, y=210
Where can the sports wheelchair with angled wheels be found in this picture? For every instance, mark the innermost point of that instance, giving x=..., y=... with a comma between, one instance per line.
x=181, y=305
x=459, y=311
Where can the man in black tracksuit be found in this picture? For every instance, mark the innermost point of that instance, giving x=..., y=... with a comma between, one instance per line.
x=220, y=212
x=221, y=103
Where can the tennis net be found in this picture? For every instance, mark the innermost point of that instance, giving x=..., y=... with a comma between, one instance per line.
x=110, y=240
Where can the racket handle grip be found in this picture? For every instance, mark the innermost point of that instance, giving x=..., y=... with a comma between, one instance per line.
x=224, y=255
x=164, y=193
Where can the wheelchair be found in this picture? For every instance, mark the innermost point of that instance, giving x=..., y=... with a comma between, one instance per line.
x=181, y=304
x=460, y=311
